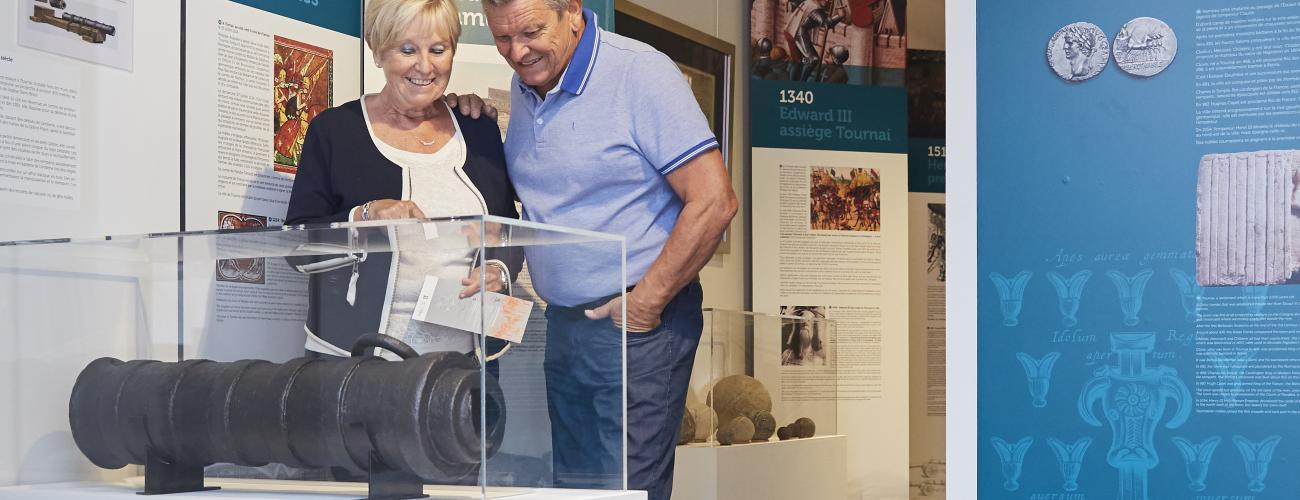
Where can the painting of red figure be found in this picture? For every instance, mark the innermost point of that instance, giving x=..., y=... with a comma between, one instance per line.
x=303, y=88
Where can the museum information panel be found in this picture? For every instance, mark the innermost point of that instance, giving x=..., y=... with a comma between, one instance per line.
x=257, y=73
x=927, y=272
x=1137, y=249
x=71, y=74
x=830, y=233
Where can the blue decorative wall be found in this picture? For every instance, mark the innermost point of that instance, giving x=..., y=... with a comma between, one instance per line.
x=1105, y=369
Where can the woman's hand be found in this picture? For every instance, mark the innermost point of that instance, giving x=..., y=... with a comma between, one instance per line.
x=471, y=282
x=392, y=209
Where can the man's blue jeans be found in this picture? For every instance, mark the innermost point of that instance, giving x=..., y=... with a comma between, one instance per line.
x=585, y=399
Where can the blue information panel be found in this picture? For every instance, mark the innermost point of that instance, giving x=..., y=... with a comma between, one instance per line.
x=337, y=15
x=345, y=16
x=926, y=164
x=926, y=149
x=474, y=28
x=804, y=115
x=1139, y=335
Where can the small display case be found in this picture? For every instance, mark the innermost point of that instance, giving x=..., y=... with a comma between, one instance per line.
x=761, y=377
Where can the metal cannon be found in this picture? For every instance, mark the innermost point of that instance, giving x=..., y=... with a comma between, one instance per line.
x=90, y=30
x=409, y=420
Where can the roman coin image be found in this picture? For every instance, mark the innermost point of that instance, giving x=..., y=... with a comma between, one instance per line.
x=1145, y=46
x=1078, y=52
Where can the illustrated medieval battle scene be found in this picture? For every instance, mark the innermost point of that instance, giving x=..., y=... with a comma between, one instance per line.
x=857, y=42
x=844, y=199
x=304, y=87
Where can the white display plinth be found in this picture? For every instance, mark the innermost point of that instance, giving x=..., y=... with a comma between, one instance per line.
x=255, y=489
x=798, y=468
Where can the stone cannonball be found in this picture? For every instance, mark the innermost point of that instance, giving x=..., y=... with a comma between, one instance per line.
x=736, y=431
x=706, y=421
x=804, y=427
x=687, y=431
x=738, y=395
x=764, y=424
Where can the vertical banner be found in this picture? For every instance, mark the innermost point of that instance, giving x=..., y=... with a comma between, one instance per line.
x=927, y=272
x=257, y=72
x=829, y=190
x=1137, y=224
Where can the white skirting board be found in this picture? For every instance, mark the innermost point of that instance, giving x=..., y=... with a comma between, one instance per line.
x=261, y=489
x=799, y=468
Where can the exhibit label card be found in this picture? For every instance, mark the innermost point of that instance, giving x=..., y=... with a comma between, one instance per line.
x=440, y=303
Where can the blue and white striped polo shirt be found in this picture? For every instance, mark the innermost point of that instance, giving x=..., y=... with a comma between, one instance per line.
x=593, y=155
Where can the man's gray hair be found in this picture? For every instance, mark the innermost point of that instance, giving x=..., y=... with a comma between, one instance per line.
x=556, y=5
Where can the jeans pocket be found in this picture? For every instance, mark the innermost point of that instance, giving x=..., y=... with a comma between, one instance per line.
x=640, y=337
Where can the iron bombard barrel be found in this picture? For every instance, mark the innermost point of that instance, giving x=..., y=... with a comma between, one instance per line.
x=418, y=415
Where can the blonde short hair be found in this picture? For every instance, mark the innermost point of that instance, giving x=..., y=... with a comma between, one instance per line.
x=387, y=20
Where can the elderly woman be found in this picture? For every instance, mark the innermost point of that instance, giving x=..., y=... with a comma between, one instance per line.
x=401, y=153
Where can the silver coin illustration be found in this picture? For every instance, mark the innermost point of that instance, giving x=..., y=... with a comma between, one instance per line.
x=1078, y=52
x=1145, y=46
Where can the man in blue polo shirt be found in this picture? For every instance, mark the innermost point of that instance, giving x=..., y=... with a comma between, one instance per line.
x=605, y=135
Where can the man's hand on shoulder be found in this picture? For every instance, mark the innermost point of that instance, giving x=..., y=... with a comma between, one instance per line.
x=472, y=105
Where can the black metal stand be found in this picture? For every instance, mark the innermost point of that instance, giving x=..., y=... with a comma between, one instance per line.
x=162, y=477
x=389, y=484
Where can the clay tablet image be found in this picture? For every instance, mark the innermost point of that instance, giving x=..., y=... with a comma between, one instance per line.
x=1246, y=231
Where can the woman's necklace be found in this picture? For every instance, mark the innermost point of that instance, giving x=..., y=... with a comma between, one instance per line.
x=423, y=142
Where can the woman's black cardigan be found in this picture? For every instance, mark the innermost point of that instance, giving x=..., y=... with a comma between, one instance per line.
x=341, y=168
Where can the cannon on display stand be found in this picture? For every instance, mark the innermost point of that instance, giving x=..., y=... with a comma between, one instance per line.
x=421, y=419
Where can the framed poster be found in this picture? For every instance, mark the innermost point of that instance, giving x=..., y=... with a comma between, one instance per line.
x=706, y=62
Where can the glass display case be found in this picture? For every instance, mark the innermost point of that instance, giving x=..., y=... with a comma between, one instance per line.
x=268, y=358
x=761, y=377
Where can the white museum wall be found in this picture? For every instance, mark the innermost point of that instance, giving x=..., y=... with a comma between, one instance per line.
x=962, y=265
x=58, y=314
x=118, y=163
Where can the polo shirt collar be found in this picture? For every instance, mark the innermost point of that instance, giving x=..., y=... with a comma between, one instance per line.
x=578, y=73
